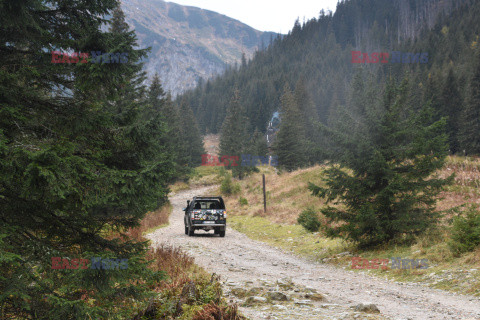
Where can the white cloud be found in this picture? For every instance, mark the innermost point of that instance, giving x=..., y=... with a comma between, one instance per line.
x=265, y=15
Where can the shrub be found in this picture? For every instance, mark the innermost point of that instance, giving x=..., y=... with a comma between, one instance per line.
x=466, y=232
x=215, y=311
x=228, y=187
x=222, y=172
x=309, y=220
x=242, y=201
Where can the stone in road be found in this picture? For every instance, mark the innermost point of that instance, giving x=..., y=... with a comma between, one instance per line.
x=258, y=276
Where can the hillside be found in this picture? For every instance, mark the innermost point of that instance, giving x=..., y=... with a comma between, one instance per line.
x=319, y=53
x=189, y=43
x=288, y=196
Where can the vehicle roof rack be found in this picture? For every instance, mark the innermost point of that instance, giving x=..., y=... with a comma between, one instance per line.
x=208, y=196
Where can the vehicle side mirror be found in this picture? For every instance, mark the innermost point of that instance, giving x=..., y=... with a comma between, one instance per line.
x=188, y=203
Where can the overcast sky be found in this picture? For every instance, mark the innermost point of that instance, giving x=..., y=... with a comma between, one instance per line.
x=265, y=15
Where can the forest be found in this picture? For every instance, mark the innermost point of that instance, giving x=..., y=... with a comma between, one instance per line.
x=315, y=61
x=88, y=149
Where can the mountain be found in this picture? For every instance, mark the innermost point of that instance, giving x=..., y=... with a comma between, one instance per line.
x=319, y=53
x=189, y=43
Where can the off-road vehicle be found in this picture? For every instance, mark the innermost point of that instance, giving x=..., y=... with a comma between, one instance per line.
x=206, y=213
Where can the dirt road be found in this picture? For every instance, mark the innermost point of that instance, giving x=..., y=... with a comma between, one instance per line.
x=253, y=270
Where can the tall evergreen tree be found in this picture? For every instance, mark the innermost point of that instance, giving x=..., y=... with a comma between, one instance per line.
x=77, y=160
x=470, y=124
x=451, y=107
x=310, y=119
x=164, y=117
x=191, y=144
x=258, y=144
x=290, y=141
x=383, y=178
x=156, y=95
x=234, y=135
x=118, y=25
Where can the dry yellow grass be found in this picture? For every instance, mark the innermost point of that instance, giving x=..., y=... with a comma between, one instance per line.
x=466, y=186
x=288, y=194
x=151, y=220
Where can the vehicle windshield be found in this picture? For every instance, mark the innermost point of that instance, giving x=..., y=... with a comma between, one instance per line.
x=208, y=204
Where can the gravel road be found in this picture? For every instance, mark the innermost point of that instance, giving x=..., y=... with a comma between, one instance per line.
x=254, y=269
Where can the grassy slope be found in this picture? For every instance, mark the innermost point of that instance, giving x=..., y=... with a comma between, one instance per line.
x=287, y=196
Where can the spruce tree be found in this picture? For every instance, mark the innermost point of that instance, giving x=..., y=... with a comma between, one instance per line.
x=382, y=180
x=452, y=103
x=290, y=140
x=164, y=116
x=190, y=145
x=78, y=160
x=470, y=118
x=156, y=95
x=234, y=135
x=309, y=119
x=258, y=144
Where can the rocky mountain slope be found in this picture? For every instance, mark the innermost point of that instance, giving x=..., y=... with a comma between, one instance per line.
x=189, y=43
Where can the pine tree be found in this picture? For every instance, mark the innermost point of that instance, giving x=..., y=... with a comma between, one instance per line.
x=470, y=121
x=451, y=107
x=77, y=161
x=309, y=119
x=258, y=144
x=234, y=135
x=290, y=140
x=383, y=178
x=117, y=23
x=156, y=94
x=164, y=116
x=191, y=144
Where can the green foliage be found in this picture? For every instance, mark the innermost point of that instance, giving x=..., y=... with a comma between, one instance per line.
x=320, y=52
x=290, y=140
x=228, y=187
x=184, y=301
x=222, y=172
x=383, y=178
x=309, y=220
x=451, y=107
x=258, y=145
x=190, y=145
x=469, y=137
x=243, y=201
x=82, y=155
x=466, y=231
x=234, y=135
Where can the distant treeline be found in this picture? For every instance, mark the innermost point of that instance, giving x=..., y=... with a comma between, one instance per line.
x=317, y=54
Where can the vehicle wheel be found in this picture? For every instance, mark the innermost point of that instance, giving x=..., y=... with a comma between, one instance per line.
x=216, y=231
x=191, y=231
x=186, y=230
x=222, y=233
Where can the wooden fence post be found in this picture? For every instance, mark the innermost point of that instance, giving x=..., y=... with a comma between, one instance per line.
x=264, y=195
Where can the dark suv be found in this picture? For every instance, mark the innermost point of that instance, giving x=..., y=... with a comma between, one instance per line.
x=206, y=213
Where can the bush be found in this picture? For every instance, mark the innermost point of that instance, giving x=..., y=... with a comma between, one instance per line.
x=222, y=172
x=242, y=201
x=309, y=220
x=228, y=187
x=466, y=232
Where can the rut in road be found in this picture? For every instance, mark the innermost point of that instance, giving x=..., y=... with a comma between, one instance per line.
x=252, y=268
